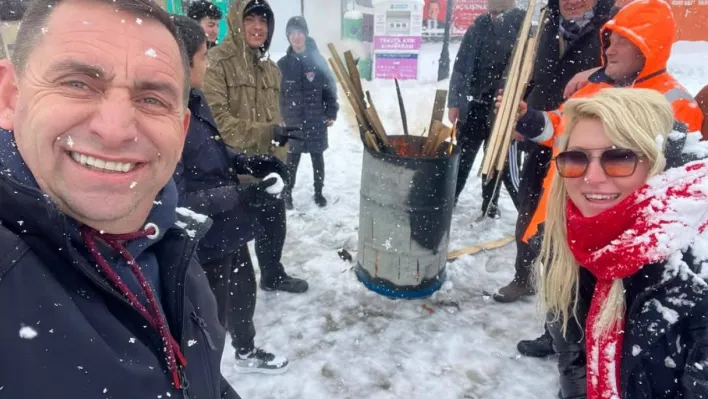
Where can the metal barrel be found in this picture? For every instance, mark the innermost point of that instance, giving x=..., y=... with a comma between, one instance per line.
x=405, y=213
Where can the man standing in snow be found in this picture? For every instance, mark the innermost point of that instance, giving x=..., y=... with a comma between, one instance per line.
x=242, y=87
x=100, y=291
x=207, y=182
x=476, y=78
x=308, y=98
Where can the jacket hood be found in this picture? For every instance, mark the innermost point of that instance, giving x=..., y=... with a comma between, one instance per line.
x=235, y=37
x=310, y=47
x=649, y=25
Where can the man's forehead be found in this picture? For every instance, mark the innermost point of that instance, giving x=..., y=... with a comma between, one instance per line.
x=100, y=32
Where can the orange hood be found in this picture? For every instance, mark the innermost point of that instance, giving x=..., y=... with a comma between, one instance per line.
x=650, y=25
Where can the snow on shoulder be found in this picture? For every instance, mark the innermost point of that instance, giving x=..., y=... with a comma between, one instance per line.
x=197, y=217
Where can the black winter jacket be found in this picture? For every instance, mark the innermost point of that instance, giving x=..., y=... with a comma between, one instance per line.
x=662, y=357
x=308, y=97
x=208, y=184
x=66, y=333
x=552, y=72
x=482, y=60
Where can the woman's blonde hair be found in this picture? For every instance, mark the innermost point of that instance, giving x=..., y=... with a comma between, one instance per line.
x=635, y=119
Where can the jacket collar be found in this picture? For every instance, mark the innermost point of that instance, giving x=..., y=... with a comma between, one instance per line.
x=200, y=109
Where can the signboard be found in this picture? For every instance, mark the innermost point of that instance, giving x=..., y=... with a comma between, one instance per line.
x=397, y=42
x=464, y=13
x=396, y=65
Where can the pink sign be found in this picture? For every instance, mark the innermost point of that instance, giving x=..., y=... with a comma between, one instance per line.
x=397, y=42
x=399, y=66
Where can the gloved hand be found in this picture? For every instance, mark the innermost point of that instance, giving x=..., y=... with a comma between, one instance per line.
x=257, y=196
x=262, y=165
x=281, y=134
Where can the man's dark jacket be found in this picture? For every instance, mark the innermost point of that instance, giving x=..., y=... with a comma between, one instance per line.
x=208, y=184
x=67, y=333
x=482, y=59
x=308, y=97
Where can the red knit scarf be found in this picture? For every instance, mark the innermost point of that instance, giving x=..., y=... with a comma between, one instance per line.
x=658, y=220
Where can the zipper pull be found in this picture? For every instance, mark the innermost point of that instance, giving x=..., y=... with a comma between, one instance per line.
x=203, y=326
x=183, y=382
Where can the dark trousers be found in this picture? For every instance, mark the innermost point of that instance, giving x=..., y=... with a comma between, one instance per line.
x=233, y=283
x=473, y=133
x=269, y=245
x=318, y=167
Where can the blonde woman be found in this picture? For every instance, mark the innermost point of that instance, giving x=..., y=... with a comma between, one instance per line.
x=626, y=239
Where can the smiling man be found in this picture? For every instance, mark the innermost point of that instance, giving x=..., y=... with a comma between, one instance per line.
x=100, y=292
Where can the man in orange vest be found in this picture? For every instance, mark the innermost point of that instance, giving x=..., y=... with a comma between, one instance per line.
x=636, y=48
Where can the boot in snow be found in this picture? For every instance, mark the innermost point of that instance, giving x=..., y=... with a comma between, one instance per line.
x=288, y=198
x=540, y=347
x=259, y=361
x=285, y=283
x=320, y=200
x=514, y=291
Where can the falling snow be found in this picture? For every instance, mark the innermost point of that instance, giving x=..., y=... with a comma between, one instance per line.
x=138, y=21
x=191, y=342
x=133, y=184
x=27, y=332
x=151, y=53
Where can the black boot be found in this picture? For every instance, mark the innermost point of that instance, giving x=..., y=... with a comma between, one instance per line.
x=288, y=198
x=540, y=347
x=320, y=200
x=285, y=283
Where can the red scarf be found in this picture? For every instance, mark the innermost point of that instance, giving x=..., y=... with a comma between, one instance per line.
x=656, y=221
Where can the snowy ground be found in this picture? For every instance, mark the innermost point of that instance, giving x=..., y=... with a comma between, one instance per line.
x=345, y=341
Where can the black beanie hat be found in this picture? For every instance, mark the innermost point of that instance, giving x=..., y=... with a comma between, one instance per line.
x=258, y=7
x=297, y=23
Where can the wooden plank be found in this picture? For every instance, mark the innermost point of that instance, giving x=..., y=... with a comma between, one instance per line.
x=511, y=86
x=354, y=74
x=483, y=246
x=438, y=107
x=401, y=107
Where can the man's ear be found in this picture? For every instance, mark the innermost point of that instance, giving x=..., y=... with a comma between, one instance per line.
x=185, y=123
x=8, y=94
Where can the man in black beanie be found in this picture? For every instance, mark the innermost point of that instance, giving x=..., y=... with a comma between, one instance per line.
x=208, y=15
x=308, y=98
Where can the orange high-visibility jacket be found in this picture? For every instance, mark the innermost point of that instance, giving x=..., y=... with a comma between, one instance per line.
x=649, y=25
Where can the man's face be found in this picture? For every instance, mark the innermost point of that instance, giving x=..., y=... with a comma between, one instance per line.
x=624, y=60
x=211, y=28
x=297, y=40
x=98, y=113
x=256, y=30
x=199, y=66
x=574, y=9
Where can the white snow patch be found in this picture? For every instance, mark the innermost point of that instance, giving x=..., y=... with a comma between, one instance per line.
x=133, y=184
x=277, y=187
x=151, y=53
x=138, y=21
x=636, y=350
x=27, y=332
x=198, y=217
x=353, y=14
x=70, y=142
x=669, y=362
x=131, y=340
x=191, y=342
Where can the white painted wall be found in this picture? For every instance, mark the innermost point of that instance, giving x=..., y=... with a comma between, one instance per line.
x=284, y=10
x=324, y=18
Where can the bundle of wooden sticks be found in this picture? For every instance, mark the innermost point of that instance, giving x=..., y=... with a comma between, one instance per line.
x=439, y=140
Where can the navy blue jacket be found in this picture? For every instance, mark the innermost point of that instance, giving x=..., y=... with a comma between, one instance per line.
x=208, y=184
x=308, y=97
x=86, y=340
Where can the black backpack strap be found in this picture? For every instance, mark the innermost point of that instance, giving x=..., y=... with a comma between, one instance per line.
x=12, y=248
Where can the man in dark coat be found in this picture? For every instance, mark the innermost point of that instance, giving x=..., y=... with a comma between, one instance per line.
x=100, y=292
x=308, y=98
x=569, y=44
x=476, y=78
x=207, y=181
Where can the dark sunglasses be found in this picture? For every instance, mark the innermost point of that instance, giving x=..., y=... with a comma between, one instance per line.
x=615, y=162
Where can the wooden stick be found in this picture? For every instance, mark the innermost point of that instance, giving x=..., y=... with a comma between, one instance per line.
x=401, y=107
x=506, y=114
x=354, y=74
x=438, y=107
